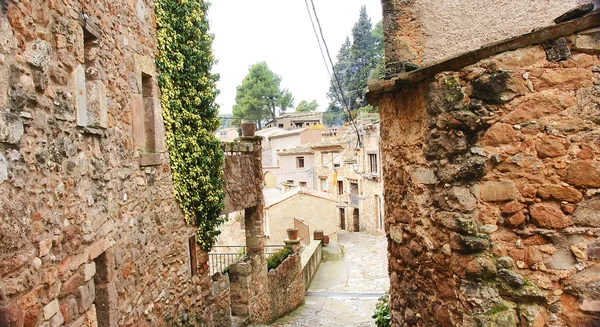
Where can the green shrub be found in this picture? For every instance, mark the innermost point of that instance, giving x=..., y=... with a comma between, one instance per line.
x=382, y=311
x=278, y=257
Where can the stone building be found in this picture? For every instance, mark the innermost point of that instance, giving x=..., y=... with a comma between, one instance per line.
x=316, y=210
x=491, y=169
x=352, y=173
x=90, y=233
x=295, y=120
x=227, y=134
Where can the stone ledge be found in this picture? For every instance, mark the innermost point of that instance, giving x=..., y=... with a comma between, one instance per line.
x=97, y=131
x=150, y=159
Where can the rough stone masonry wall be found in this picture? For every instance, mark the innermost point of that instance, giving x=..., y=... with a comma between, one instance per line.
x=492, y=186
x=286, y=286
x=87, y=234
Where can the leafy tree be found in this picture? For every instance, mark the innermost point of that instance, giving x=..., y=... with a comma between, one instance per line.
x=305, y=106
x=260, y=95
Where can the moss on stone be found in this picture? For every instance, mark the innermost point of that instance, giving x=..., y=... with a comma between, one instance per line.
x=453, y=91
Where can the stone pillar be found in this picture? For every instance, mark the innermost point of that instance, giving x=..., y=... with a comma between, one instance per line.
x=259, y=309
x=294, y=244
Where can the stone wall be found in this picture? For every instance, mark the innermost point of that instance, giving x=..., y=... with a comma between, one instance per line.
x=286, y=287
x=311, y=259
x=491, y=179
x=90, y=233
x=241, y=190
x=221, y=295
x=425, y=31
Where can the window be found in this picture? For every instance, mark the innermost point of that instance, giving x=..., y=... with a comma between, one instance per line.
x=325, y=159
x=290, y=181
x=324, y=184
x=280, y=125
x=337, y=158
x=354, y=188
x=299, y=162
x=340, y=187
x=90, y=90
x=148, y=96
x=302, y=184
x=373, y=163
x=148, y=129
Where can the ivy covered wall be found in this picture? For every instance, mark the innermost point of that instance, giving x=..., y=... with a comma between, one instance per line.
x=190, y=114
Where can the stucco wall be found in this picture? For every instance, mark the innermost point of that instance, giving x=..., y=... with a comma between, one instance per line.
x=317, y=212
x=311, y=136
x=424, y=31
x=287, y=170
x=283, y=143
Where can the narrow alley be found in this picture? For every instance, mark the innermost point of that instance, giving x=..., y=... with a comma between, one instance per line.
x=344, y=292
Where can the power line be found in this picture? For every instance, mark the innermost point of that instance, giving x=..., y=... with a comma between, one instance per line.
x=343, y=99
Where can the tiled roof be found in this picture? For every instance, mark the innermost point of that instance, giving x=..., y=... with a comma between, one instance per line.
x=297, y=191
x=302, y=149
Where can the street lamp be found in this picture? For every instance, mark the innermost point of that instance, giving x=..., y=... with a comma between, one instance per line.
x=355, y=167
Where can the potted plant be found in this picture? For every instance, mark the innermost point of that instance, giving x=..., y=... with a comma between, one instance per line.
x=248, y=128
x=292, y=234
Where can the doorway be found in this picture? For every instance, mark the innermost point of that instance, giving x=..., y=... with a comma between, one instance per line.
x=356, y=220
x=342, y=219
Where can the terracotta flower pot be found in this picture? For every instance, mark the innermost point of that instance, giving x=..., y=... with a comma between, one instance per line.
x=248, y=129
x=292, y=233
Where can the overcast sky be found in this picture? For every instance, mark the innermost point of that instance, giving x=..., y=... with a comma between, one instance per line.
x=279, y=32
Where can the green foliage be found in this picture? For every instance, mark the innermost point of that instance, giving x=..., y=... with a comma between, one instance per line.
x=382, y=312
x=305, y=106
x=334, y=116
x=188, y=105
x=278, y=257
x=260, y=95
x=357, y=61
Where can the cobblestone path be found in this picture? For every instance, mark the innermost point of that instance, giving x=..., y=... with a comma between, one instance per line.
x=345, y=292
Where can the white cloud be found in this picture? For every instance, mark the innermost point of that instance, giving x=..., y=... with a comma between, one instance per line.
x=279, y=32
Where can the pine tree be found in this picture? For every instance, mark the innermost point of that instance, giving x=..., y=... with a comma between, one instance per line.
x=260, y=95
x=356, y=61
x=364, y=57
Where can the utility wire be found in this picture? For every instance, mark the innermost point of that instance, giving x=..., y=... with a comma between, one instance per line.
x=343, y=101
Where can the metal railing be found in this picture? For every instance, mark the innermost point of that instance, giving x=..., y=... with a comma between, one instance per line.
x=229, y=254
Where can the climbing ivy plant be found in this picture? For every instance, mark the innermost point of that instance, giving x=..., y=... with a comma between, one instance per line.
x=190, y=114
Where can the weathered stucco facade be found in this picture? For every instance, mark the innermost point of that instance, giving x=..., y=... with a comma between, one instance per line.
x=491, y=178
x=425, y=31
